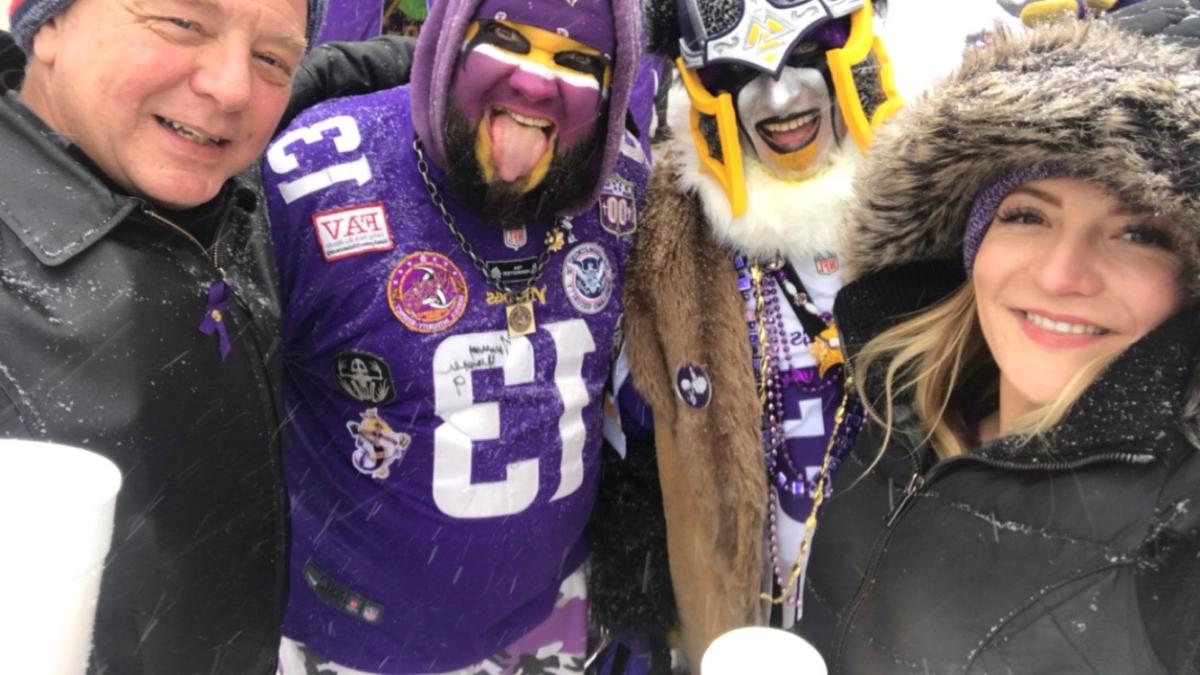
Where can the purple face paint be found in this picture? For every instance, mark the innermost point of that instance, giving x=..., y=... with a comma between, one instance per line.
x=531, y=85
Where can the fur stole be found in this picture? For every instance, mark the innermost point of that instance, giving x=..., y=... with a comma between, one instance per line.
x=682, y=308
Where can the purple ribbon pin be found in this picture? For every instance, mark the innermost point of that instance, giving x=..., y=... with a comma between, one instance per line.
x=214, y=316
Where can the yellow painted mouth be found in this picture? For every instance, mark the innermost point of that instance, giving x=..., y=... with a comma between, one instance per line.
x=800, y=160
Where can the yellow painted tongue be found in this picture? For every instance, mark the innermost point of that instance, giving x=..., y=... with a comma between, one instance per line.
x=510, y=151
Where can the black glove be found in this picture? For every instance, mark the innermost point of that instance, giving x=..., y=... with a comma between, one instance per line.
x=1176, y=20
x=337, y=69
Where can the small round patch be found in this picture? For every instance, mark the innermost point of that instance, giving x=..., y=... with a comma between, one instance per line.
x=693, y=385
x=427, y=292
x=588, y=278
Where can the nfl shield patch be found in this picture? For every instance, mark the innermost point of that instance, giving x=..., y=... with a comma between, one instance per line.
x=515, y=237
x=618, y=207
x=826, y=263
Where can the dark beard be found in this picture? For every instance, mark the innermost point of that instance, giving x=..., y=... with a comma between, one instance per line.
x=503, y=204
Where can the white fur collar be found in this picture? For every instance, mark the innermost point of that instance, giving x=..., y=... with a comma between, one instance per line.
x=794, y=219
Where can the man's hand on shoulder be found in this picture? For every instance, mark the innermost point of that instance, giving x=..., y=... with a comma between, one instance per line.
x=337, y=69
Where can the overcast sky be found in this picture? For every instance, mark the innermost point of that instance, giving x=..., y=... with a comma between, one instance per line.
x=925, y=37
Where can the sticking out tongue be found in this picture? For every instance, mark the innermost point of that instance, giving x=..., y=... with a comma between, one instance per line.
x=516, y=148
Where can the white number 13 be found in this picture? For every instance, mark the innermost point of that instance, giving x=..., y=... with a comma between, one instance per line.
x=465, y=420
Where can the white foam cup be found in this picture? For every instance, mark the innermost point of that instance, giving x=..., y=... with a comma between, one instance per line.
x=56, y=524
x=761, y=651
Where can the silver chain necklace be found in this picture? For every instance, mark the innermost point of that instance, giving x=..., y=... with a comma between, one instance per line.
x=518, y=302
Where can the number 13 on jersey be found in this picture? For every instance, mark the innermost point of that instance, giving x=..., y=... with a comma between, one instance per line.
x=465, y=420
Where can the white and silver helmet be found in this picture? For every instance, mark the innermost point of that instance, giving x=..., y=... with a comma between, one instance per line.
x=758, y=36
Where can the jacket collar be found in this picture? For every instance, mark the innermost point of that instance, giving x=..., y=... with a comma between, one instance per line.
x=83, y=209
x=1132, y=408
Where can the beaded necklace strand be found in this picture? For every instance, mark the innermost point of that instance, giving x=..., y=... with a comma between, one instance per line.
x=762, y=285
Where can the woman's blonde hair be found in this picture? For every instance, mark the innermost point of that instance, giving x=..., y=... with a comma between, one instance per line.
x=939, y=359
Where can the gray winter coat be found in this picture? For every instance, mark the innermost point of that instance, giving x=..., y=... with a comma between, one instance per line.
x=1079, y=551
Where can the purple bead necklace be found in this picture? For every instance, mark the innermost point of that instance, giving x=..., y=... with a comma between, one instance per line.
x=770, y=348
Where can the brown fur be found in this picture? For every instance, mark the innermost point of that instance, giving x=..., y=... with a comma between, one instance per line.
x=683, y=307
x=1099, y=103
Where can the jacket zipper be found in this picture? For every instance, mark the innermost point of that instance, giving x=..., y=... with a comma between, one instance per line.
x=918, y=482
x=213, y=256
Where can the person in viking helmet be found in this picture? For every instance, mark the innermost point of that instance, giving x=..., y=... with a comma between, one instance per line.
x=731, y=283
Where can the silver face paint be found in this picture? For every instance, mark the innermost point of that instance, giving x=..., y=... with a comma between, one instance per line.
x=766, y=109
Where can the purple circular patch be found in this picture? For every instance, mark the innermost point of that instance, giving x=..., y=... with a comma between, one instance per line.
x=427, y=292
x=693, y=385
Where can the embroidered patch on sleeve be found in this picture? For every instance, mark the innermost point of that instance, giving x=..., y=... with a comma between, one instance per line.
x=352, y=231
x=618, y=207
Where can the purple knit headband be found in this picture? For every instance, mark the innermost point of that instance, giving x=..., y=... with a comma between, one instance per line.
x=983, y=209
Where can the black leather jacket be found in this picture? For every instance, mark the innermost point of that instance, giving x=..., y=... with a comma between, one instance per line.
x=101, y=298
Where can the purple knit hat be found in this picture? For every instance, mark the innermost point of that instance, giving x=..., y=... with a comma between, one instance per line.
x=592, y=22
x=983, y=209
x=27, y=16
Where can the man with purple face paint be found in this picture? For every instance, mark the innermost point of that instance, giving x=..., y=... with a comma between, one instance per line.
x=450, y=256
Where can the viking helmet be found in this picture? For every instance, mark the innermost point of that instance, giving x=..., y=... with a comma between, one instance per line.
x=760, y=34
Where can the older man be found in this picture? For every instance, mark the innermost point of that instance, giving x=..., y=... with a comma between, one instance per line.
x=138, y=310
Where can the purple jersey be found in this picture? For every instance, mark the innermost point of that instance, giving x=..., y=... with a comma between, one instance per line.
x=441, y=472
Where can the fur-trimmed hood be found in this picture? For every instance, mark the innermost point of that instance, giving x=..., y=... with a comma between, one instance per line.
x=1105, y=105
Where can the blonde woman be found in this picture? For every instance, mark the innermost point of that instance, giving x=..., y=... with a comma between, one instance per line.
x=1026, y=496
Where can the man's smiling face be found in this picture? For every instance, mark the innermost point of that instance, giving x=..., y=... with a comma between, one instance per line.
x=170, y=98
